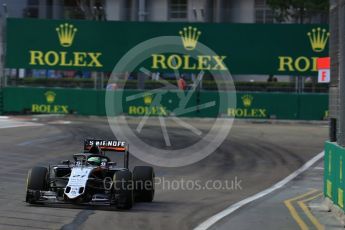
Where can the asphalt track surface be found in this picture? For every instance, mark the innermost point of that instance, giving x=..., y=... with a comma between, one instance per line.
x=256, y=154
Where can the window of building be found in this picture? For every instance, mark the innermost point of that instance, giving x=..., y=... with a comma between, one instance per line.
x=263, y=13
x=178, y=9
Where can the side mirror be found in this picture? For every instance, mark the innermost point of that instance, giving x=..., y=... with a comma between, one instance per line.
x=65, y=162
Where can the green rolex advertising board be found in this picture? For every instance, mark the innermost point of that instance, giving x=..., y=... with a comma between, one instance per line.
x=288, y=49
x=91, y=102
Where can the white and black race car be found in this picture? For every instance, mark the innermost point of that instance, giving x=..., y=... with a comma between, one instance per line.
x=92, y=178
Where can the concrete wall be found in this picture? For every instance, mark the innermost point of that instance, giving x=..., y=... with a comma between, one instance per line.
x=241, y=11
x=113, y=9
x=195, y=8
x=157, y=10
x=15, y=7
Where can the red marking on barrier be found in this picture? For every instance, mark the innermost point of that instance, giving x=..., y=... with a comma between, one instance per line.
x=323, y=75
x=324, y=63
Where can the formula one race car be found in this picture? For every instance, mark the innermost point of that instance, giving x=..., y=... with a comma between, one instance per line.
x=92, y=178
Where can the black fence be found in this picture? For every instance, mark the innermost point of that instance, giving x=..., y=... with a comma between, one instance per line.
x=208, y=85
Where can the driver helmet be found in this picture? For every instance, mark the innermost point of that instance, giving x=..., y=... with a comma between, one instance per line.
x=94, y=161
x=95, y=149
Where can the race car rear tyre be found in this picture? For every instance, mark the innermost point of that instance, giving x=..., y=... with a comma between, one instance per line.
x=123, y=189
x=144, y=183
x=36, y=182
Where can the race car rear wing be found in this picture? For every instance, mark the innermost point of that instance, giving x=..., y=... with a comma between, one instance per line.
x=109, y=145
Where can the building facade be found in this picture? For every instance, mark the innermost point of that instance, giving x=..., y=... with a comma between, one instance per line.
x=231, y=11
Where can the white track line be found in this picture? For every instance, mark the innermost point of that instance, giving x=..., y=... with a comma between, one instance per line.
x=20, y=125
x=6, y=123
x=213, y=219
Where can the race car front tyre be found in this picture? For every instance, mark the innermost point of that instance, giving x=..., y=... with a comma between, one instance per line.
x=123, y=189
x=36, y=182
x=144, y=183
